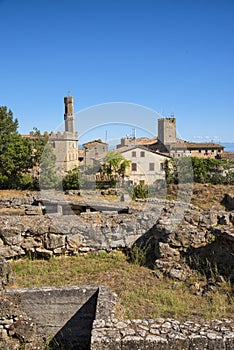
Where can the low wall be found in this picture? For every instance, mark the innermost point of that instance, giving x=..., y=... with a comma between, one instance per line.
x=47, y=235
x=64, y=316
x=163, y=334
x=83, y=318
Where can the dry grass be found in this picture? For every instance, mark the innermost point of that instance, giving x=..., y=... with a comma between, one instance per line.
x=205, y=196
x=15, y=193
x=141, y=294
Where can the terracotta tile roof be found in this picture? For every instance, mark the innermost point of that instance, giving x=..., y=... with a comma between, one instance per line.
x=203, y=145
x=93, y=142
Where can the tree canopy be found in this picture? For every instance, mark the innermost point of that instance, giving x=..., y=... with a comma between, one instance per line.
x=48, y=177
x=18, y=154
x=202, y=170
x=114, y=164
x=15, y=151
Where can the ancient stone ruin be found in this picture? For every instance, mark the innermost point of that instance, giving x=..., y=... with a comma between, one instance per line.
x=84, y=317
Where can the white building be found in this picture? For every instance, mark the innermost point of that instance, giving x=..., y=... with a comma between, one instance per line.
x=146, y=166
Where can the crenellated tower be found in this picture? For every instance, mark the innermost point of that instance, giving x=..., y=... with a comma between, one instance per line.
x=167, y=130
x=65, y=145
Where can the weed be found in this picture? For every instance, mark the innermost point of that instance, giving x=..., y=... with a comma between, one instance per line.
x=139, y=254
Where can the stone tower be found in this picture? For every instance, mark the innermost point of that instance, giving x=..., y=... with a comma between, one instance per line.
x=167, y=130
x=69, y=114
x=65, y=145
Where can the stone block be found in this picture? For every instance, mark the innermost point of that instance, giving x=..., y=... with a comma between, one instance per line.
x=74, y=241
x=54, y=241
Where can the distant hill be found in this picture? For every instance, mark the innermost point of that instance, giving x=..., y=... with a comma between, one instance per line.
x=229, y=146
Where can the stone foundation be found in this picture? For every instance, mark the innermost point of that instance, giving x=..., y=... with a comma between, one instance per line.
x=163, y=334
x=83, y=318
x=53, y=318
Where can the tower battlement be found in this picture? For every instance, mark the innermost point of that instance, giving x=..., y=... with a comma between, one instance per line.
x=167, y=130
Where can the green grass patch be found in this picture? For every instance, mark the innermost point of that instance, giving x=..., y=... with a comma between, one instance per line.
x=141, y=294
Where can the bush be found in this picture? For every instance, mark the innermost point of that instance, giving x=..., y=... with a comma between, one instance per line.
x=201, y=170
x=139, y=191
x=74, y=180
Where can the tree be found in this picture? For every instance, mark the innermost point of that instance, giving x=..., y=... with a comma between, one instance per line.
x=201, y=170
x=74, y=180
x=15, y=151
x=39, y=142
x=48, y=177
x=115, y=165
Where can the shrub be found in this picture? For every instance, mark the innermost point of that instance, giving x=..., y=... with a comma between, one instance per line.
x=139, y=191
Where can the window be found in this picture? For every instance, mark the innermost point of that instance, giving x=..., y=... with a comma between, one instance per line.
x=134, y=154
x=134, y=167
x=199, y=150
x=142, y=154
x=151, y=166
x=161, y=166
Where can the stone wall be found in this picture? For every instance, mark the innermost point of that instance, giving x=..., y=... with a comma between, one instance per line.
x=55, y=318
x=163, y=334
x=45, y=236
x=50, y=317
x=61, y=317
x=171, y=234
x=83, y=318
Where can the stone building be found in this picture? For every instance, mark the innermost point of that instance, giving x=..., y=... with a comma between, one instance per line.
x=146, y=166
x=93, y=151
x=65, y=145
x=168, y=143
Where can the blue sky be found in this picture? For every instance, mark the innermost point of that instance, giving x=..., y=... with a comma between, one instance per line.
x=171, y=56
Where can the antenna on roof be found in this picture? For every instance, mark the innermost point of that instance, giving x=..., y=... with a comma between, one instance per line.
x=134, y=135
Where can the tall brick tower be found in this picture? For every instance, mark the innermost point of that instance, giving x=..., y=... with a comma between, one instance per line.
x=69, y=114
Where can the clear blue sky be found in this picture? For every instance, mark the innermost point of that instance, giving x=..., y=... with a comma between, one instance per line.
x=167, y=55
